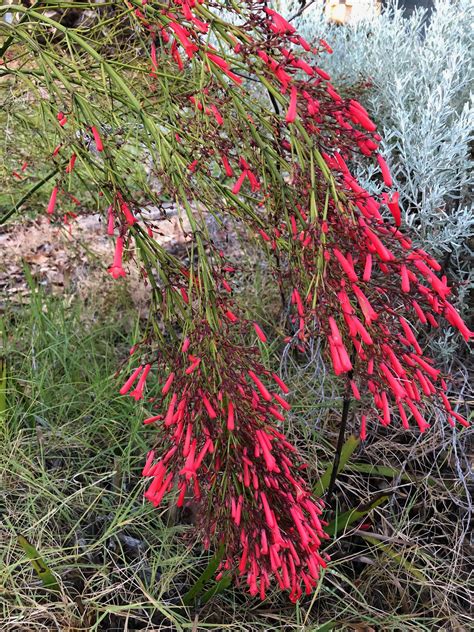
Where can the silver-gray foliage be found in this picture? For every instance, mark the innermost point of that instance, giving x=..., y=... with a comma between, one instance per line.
x=420, y=94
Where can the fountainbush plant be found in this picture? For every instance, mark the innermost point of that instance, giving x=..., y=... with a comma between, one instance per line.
x=224, y=109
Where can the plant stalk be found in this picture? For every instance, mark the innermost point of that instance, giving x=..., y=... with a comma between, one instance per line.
x=340, y=440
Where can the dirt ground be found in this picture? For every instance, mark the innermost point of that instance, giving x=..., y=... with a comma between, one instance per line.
x=71, y=260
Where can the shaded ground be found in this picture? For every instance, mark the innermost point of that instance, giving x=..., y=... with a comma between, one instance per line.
x=73, y=259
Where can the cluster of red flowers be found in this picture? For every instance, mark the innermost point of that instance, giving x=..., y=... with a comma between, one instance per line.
x=373, y=282
x=218, y=416
x=353, y=277
x=219, y=445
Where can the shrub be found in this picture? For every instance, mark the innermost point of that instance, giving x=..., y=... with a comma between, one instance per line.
x=145, y=85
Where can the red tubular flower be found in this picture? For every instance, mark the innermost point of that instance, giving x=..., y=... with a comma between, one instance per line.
x=339, y=356
x=261, y=387
x=291, y=113
x=110, y=220
x=405, y=278
x=299, y=304
x=323, y=74
x=152, y=420
x=346, y=265
x=264, y=235
x=231, y=316
x=230, y=416
x=389, y=362
x=210, y=410
x=369, y=313
x=217, y=115
x=367, y=268
x=325, y=45
x=186, y=345
x=168, y=383
x=259, y=332
x=279, y=24
x=196, y=103
x=302, y=42
x=170, y=412
x=359, y=115
x=376, y=243
x=183, y=36
x=116, y=269
x=456, y=321
x=394, y=208
x=254, y=183
x=52, y=201
x=238, y=185
x=129, y=217
x=193, y=366
x=154, y=61
x=176, y=56
x=283, y=403
x=280, y=383
x=335, y=334
x=227, y=167
x=302, y=65
x=137, y=393
x=131, y=380
x=387, y=178
x=355, y=280
x=71, y=163
x=355, y=390
x=224, y=66
x=149, y=460
x=332, y=93
x=97, y=139
x=267, y=518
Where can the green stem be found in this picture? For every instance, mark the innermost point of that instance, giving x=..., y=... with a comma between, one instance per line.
x=24, y=18
x=27, y=195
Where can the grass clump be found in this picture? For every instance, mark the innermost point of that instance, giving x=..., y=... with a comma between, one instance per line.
x=71, y=462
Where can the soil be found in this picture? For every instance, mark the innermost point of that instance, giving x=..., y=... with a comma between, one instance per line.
x=72, y=259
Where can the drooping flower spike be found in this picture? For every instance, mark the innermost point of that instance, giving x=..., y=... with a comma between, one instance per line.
x=221, y=448
x=376, y=287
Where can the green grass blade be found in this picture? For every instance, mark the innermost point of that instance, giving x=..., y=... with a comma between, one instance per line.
x=325, y=627
x=3, y=388
x=342, y=521
x=3, y=375
x=347, y=450
x=388, y=550
x=9, y=212
x=219, y=587
x=41, y=568
x=205, y=577
x=389, y=472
